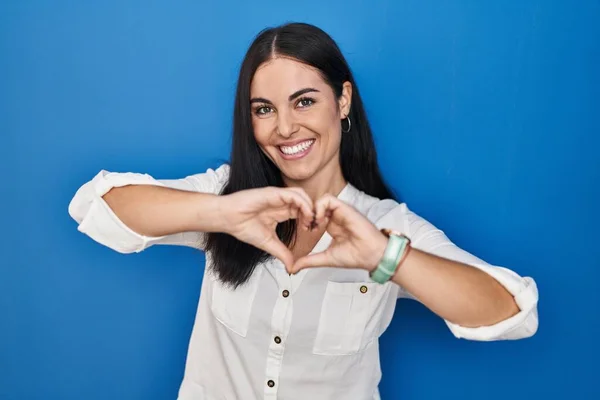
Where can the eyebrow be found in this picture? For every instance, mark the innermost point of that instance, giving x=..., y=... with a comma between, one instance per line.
x=290, y=98
x=301, y=92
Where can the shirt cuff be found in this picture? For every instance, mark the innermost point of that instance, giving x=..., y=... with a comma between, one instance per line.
x=102, y=224
x=522, y=325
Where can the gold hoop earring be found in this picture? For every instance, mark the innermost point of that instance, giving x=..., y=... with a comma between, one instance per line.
x=349, y=125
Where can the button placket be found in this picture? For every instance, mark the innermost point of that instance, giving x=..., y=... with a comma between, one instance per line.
x=280, y=325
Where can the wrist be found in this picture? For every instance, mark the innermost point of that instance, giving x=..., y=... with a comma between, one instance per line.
x=379, y=242
x=208, y=212
x=397, y=248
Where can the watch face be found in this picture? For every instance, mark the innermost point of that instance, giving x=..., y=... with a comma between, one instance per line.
x=389, y=232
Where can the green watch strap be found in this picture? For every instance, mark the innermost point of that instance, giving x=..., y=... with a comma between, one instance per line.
x=391, y=257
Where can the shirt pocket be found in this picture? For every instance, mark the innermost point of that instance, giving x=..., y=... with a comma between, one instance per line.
x=350, y=317
x=233, y=307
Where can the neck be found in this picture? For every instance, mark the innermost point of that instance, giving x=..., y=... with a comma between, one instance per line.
x=327, y=180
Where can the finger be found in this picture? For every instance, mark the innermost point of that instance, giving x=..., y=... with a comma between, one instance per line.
x=304, y=207
x=278, y=250
x=330, y=207
x=293, y=197
x=302, y=193
x=311, y=261
x=282, y=207
x=293, y=212
x=343, y=219
x=335, y=230
x=284, y=213
x=306, y=219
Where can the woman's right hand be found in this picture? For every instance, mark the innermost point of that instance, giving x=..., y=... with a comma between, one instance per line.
x=252, y=216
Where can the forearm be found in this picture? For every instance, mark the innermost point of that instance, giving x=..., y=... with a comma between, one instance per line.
x=158, y=211
x=456, y=292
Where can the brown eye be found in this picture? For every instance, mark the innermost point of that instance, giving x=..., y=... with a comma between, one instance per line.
x=305, y=102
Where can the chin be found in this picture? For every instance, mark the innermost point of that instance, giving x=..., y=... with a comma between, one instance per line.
x=298, y=172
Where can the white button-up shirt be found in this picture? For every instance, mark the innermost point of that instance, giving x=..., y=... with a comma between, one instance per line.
x=313, y=335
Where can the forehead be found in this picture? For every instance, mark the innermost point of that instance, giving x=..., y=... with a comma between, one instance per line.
x=279, y=77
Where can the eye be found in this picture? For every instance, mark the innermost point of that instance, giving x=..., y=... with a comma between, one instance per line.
x=263, y=110
x=305, y=102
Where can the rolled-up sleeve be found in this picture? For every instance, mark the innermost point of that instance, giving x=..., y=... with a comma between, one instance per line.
x=97, y=220
x=428, y=238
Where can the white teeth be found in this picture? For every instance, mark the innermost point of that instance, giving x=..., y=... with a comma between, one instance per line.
x=290, y=150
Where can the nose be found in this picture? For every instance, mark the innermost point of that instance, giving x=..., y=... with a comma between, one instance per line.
x=286, y=125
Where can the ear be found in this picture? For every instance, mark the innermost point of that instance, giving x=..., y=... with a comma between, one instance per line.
x=345, y=99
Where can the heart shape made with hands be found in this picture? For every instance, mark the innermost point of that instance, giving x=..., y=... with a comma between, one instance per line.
x=356, y=242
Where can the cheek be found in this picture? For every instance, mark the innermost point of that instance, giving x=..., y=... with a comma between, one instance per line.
x=261, y=132
x=330, y=127
x=325, y=122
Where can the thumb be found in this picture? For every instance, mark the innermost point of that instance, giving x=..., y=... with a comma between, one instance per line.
x=280, y=251
x=312, y=260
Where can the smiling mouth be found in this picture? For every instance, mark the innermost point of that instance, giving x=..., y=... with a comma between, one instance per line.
x=298, y=149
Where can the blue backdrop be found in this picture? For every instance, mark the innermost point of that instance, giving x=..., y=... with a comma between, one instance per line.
x=486, y=116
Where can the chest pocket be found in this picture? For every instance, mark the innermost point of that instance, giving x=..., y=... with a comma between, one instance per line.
x=350, y=317
x=233, y=307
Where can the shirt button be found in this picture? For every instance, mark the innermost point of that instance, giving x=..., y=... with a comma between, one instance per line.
x=270, y=383
x=277, y=339
x=285, y=293
x=364, y=289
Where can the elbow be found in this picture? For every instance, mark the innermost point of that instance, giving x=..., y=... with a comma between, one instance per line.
x=81, y=202
x=84, y=197
x=523, y=325
x=79, y=206
x=529, y=327
x=96, y=220
x=516, y=315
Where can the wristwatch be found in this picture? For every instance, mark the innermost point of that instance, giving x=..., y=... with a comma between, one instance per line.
x=395, y=252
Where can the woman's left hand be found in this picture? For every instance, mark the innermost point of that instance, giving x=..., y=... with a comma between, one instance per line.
x=356, y=242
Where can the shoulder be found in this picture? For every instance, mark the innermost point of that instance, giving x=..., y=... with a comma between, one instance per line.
x=384, y=213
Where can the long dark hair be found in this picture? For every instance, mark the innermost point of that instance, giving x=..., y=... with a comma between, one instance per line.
x=233, y=260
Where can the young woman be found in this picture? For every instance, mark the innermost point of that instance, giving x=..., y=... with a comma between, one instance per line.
x=307, y=251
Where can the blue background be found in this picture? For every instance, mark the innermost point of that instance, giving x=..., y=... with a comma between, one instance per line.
x=486, y=116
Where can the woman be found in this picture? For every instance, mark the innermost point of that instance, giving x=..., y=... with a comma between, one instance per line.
x=303, y=190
